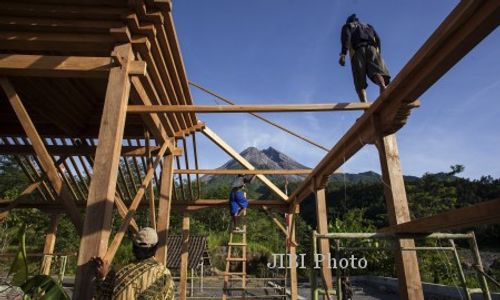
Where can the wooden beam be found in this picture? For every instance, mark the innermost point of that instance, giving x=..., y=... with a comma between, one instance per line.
x=102, y=191
x=152, y=206
x=133, y=206
x=81, y=43
x=245, y=163
x=293, y=254
x=164, y=207
x=142, y=109
x=62, y=66
x=46, y=161
x=184, y=258
x=243, y=172
x=465, y=27
x=75, y=150
x=475, y=215
x=324, y=244
x=50, y=242
x=407, y=269
x=159, y=127
x=20, y=199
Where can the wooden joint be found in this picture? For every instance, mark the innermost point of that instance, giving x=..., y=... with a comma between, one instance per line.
x=137, y=67
x=177, y=152
x=294, y=208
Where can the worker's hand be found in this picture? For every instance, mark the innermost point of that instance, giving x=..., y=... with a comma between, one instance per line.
x=101, y=267
x=342, y=60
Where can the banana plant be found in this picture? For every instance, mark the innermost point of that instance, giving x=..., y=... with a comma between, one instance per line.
x=38, y=287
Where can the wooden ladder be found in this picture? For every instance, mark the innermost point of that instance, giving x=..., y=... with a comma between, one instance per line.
x=230, y=277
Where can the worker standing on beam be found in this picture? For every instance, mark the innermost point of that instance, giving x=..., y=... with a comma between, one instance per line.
x=363, y=43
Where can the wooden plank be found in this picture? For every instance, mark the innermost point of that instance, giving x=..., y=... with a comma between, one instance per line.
x=247, y=108
x=159, y=126
x=293, y=254
x=171, y=34
x=407, y=269
x=77, y=43
x=464, y=28
x=196, y=166
x=63, y=11
x=46, y=161
x=324, y=244
x=184, y=258
x=152, y=207
x=50, y=243
x=133, y=207
x=242, y=171
x=475, y=215
x=186, y=164
x=156, y=53
x=272, y=123
x=176, y=206
x=101, y=198
x=164, y=207
x=20, y=199
x=222, y=144
x=54, y=66
x=143, y=46
x=222, y=202
x=36, y=23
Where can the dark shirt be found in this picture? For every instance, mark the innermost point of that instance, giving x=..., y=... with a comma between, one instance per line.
x=352, y=38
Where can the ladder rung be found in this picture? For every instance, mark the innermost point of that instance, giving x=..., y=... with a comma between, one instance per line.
x=234, y=273
x=237, y=244
x=235, y=259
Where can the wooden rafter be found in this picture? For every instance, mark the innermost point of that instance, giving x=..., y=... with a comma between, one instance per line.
x=133, y=206
x=478, y=214
x=61, y=66
x=243, y=171
x=74, y=150
x=45, y=159
x=222, y=144
x=145, y=109
x=465, y=27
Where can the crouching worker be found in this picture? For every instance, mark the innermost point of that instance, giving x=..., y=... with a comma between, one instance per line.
x=146, y=278
x=237, y=199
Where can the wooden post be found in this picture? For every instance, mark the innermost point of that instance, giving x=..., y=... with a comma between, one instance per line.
x=43, y=155
x=184, y=258
x=50, y=242
x=293, y=259
x=164, y=207
x=324, y=244
x=410, y=285
x=152, y=208
x=102, y=190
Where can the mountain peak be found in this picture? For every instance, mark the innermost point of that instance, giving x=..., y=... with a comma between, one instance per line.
x=269, y=158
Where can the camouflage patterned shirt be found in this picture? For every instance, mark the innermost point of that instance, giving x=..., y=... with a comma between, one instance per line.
x=146, y=279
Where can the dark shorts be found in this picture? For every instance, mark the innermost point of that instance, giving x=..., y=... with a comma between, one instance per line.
x=366, y=61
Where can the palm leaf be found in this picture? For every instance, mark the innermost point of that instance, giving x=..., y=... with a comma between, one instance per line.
x=19, y=267
x=44, y=287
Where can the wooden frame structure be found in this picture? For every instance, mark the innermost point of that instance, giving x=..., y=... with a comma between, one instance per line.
x=96, y=109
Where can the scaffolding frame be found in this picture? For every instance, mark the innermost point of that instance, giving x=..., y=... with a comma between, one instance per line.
x=316, y=291
x=106, y=73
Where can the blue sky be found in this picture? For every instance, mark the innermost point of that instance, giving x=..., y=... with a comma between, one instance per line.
x=284, y=51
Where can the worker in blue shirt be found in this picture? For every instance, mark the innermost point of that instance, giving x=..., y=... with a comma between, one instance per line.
x=237, y=199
